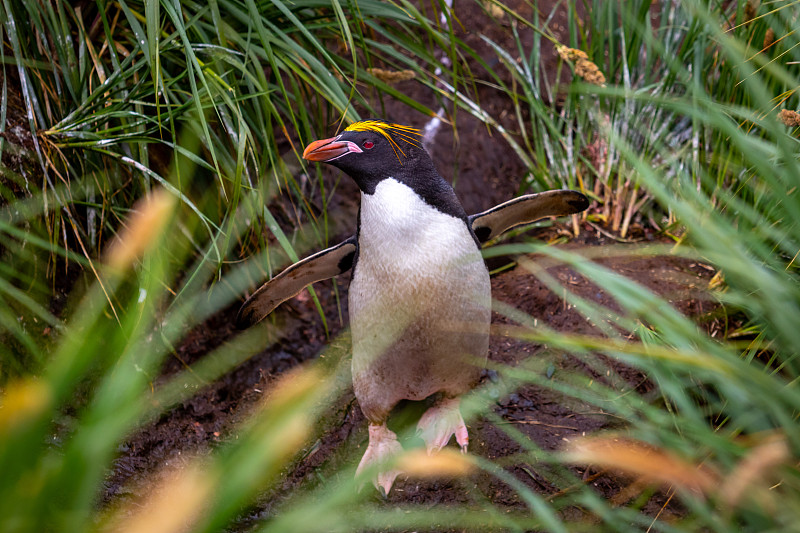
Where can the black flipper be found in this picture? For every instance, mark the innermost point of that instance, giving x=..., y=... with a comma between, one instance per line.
x=524, y=210
x=322, y=265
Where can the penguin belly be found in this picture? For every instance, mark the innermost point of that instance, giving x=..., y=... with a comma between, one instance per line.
x=419, y=302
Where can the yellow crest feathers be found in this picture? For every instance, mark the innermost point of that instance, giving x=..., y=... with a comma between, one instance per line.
x=392, y=132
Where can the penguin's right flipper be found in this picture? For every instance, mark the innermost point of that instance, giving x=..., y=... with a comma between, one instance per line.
x=322, y=265
x=526, y=209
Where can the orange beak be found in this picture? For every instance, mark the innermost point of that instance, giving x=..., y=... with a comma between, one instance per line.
x=326, y=150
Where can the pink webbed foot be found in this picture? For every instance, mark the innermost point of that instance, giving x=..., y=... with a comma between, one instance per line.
x=441, y=422
x=383, y=446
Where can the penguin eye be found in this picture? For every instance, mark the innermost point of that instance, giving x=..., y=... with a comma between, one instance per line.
x=368, y=144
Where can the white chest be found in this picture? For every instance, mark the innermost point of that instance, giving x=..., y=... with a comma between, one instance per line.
x=412, y=255
x=399, y=231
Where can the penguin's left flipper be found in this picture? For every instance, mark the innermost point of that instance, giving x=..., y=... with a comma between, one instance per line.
x=524, y=210
x=320, y=266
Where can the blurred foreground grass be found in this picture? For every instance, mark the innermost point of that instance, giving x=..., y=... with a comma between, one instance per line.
x=161, y=132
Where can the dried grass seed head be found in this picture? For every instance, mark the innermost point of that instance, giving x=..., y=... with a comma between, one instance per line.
x=584, y=68
x=790, y=118
x=392, y=76
x=150, y=216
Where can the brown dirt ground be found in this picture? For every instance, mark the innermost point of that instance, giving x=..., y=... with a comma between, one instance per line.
x=541, y=414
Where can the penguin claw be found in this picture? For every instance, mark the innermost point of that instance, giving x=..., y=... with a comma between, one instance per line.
x=434, y=449
x=441, y=422
x=383, y=446
x=385, y=481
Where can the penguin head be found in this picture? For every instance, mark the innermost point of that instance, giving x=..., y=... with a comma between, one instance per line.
x=372, y=150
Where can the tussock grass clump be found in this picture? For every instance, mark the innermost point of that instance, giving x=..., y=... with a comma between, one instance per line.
x=684, y=138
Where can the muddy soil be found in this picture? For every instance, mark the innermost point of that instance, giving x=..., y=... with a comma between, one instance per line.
x=546, y=417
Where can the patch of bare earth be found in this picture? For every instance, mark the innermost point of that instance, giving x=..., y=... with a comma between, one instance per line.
x=546, y=417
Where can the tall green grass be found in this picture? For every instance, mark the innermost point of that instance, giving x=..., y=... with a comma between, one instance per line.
x=657, y=57
x=212, y=103
x=110, y=88
x=688, y=124
x=205, y=102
